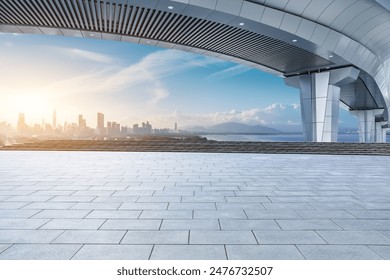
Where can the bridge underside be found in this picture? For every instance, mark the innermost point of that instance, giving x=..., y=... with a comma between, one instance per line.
x=233, y=37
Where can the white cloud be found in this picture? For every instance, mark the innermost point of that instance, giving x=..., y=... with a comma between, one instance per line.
x=275, y=114
x=88, y=55
x=229, y=72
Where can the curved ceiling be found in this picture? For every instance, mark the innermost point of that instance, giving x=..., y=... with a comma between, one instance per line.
x=288, y=37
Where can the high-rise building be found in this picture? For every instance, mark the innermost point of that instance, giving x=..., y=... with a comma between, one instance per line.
x=100, y=124
x=21, y=123
x=175, y=126
x=54, y=119
x=109, y=129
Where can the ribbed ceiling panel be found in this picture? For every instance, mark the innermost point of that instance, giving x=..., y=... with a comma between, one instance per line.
x=104, y=16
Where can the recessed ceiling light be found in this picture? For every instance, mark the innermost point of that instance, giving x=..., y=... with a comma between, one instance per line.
x=92, y=34
x=331, y=56
x=170, y=7
x=328, y=67
x=241, y=23
x=295, y=40
x=147, y=42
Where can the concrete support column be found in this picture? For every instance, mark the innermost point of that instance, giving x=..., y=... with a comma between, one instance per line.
x=384, y=134
x=320, y=99
x=367, y=125
x=379, y=130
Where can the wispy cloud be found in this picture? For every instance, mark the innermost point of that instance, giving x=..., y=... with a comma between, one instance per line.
x=229, y=72
x=275, y=114
x=88, y=55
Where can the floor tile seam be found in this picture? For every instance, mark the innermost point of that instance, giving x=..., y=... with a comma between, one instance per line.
x=10, y=245
x=76, y=252
x=378, y=253
x=40, y=227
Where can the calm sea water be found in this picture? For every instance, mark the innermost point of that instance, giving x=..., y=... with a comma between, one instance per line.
x=352, y=137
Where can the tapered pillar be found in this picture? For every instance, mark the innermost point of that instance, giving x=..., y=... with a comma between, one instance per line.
x=379, y=131
x=367, y=124
x=320, y=100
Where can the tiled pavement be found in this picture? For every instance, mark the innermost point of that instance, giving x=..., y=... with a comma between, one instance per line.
x=105, y=205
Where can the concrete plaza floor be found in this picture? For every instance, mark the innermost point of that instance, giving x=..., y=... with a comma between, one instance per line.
x=105, y=205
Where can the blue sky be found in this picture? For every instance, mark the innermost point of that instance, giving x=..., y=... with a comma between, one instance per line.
x=132, y=83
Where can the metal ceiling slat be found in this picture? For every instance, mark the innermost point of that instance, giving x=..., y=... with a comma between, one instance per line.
x=171, y=26
x=131, y=19
x=185, y=29
x=182, y=21
x=57, y=8
x=117, y=11
x=144, y=12
x=21, y=7
x=207, y=29
x=69, y=14
x=135, y=22
x=81, y=7
x=126, y=19
x=109, y=12
x=164, y=25
x=184, y=35
x=51, y=14
x=145, y=23
x=147, y=27
x=76, y=10
x=98, y=6
x=121, y=16
x=11, y=16
x=104, y=16
x=42, y=11
x=160, y=21
x=153, y=24
x=90, y=19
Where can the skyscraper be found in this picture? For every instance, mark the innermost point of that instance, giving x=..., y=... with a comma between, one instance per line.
x=54, y=119
x=21, y=123
x=100, y=124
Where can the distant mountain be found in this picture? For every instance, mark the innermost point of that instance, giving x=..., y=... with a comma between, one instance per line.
x=234, y=128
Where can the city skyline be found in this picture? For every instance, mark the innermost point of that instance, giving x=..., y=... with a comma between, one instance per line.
x=136, y=82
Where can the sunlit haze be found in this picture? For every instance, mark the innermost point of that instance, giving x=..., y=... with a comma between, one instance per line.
x=132, y=83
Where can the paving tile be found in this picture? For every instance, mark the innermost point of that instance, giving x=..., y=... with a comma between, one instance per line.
x=240, y=206
x=249, y=225
x=190, y=225
x=49, y=205
x=383, y=251
x=40, y=252
x=188, y=252
x=203, y=199
x=113, y=214
x=3, y=247
x=336, y=205
x=288, y=237
x=90, y=192
x=144, y=206
x=222, y=237
x=192, y=206
x=12, y=205
x=28, y=236
x=370, y=214
x=114, y=252
x=122, y=199
x=91, y=237
x=263, y=252
x=354, y=237
x=166, y=215
x=156, y=237
x=159, y=199
x=73, y=224
x=22, y=223
x=212, y=215
x=307, y=225
x=29, y=198
x=338, y=252
x=280, y=215
x=132, y=224
x=364, y=224
x=324, y=214
x=287, y=206
x=17, y=213
x=97, y=205
x=247, y=199
x=62, y=214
